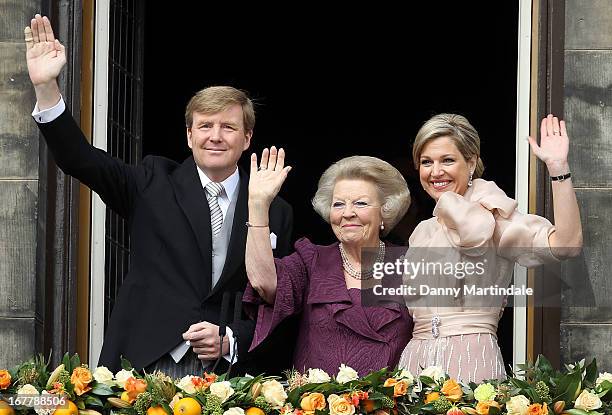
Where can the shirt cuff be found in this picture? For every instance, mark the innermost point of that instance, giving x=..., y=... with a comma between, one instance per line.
x=49, y=114
x=230, y=337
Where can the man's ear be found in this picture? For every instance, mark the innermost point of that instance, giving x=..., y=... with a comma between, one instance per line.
x=247, y=139
x=189, y=143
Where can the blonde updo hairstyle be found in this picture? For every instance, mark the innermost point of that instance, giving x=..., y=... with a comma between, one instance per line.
x=458, y=129
x=391, y=185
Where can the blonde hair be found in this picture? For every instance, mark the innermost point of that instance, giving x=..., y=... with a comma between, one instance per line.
x=458, y=129
x=215, y=99
x=391, y=185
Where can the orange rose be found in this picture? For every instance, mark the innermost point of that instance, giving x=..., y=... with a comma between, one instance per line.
x=432, y=396
x=400, y=388
x=209, y=378
x=483, y=407
x=537, y=409
x=452, y=390
x=312, y=401
x=5, y=379
x=135, y=387
x=340, y=406
x=81, y=378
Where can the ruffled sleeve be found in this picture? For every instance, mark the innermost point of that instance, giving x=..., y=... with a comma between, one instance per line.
x=486, y=217
x=523, y=238
x=292, y=274
x=468, y=226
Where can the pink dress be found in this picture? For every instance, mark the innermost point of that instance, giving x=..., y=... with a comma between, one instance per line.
x=484, y=222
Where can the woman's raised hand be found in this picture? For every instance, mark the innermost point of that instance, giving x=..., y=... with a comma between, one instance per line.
x=268, y=176
x=554, y=145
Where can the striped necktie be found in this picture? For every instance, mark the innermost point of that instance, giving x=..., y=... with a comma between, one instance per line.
x=213, y=190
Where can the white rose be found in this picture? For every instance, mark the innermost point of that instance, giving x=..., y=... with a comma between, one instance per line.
x=27, y=389
x=234, y=411
x=517, y=405
x=274, y=393
x=186, y=384
x=602, y=377
x=405, y=374
x=346, y=374
x=122, y=376
x=317, y=376
x=221, y=389
x=104, y=376
x=434, y=372
x=587, y=401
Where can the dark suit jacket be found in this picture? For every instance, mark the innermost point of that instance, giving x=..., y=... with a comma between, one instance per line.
x=168, y=286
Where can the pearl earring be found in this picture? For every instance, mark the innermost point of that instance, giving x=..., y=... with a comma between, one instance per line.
x=382, y=226
x=470, y=183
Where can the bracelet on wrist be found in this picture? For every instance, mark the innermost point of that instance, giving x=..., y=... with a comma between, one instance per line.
x=561, y=177
x=250, y=225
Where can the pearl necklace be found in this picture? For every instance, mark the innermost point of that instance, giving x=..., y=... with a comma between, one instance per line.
x=356, y=273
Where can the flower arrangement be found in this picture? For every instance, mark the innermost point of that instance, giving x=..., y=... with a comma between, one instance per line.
x=537, y=389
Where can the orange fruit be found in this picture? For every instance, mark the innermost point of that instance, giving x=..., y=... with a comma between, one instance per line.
x=70, y=410
x=156, y=410
x=6, y=409
x=253, y=410
x=187, y=406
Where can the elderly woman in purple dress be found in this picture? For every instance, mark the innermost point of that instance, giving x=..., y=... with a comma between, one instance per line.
x=362, y=198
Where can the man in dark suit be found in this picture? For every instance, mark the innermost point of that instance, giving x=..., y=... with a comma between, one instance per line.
x=187, y=223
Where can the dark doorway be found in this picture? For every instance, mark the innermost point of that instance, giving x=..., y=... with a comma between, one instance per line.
x=336, y=80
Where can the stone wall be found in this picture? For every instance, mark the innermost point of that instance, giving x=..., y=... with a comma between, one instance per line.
x=587, y=331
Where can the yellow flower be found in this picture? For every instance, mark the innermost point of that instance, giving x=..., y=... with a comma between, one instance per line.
x=81, y=378
x=483, y=407
x=312, y=401
x=5, y=379
x=485, y=392
x=400, y=387
x=432, y=396
x=452, y=390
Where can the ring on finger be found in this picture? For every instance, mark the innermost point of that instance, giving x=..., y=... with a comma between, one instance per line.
x=261, y=168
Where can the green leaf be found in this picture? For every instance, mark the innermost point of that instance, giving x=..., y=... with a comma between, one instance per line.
x=576, y=411
x=568, y=386
x=544, y=365
x=427, y=380
x=75, y=362
x=93, y=401
x=591, y=372
x=66, y=362
x=102, y=389
x=125, y=364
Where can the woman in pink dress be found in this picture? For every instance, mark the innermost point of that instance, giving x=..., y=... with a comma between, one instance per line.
x=475, y=221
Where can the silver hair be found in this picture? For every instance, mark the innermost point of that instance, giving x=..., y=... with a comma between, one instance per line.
x=391, y=186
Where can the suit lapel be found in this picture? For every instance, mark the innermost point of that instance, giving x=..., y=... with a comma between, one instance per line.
x=237, y=242
x=192, y=200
